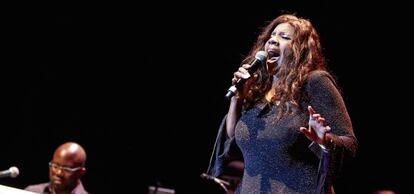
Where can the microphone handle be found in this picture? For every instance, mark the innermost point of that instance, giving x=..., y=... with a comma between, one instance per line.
x=232, y=90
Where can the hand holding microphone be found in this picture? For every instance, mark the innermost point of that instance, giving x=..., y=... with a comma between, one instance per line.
x=260, y=58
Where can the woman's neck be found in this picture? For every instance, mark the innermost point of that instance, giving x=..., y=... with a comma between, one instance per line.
x=272, y=92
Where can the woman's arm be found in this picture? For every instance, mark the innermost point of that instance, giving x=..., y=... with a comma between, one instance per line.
x=236, y=101
x=233, y=115
x=329, y=114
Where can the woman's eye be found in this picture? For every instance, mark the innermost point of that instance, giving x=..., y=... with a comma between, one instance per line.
x=286, y=37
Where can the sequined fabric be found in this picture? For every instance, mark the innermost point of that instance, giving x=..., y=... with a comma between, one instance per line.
x=278, y=158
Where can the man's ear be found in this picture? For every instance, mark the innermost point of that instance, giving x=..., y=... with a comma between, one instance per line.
x=82, y=171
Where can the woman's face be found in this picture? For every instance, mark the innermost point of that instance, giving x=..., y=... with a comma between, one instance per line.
x=280, y=40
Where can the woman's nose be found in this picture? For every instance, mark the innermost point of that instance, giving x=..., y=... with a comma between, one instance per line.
x=273, y=41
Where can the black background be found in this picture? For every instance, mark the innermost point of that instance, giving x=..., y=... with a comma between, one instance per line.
x=142, y=87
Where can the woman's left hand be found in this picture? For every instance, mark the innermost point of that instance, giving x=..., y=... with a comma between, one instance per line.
x=317, y=129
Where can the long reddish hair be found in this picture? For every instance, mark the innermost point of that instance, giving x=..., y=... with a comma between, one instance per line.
x=304, y=56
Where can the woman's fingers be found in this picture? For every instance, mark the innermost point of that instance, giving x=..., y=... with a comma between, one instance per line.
x=234, y=80
x=246, y=66
x=306, y=131
x=311, y=110
x=328, y=129
x=321, y=120
x=316, y=116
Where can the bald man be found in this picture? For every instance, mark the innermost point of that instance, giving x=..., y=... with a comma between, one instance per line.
x=65, y=171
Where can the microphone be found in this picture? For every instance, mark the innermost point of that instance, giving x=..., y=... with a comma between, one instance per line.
x=260, y=58
x=220, y=182
x=11, y=172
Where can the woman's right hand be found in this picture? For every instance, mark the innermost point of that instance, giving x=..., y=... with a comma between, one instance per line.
x=243, y=73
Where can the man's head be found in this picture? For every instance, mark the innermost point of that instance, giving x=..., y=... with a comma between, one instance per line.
x=67, y=166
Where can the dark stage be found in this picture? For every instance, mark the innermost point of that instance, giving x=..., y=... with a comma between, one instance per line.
x=142, y=87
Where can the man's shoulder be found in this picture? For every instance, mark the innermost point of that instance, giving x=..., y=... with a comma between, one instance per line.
x=80, y=189
x=37, y=187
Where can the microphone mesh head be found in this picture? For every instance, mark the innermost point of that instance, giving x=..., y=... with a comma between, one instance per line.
x=14, y=171
x=261, y=55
